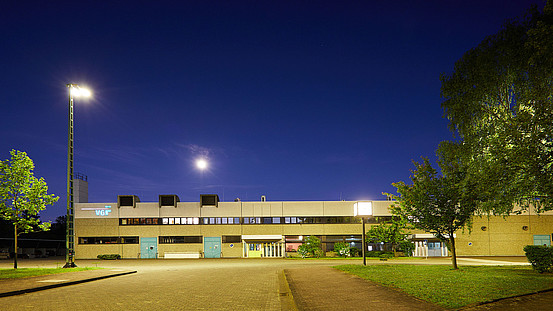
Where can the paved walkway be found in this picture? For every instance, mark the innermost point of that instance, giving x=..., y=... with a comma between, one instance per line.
x=240, y=284
x=12, y=287
x=325, y=288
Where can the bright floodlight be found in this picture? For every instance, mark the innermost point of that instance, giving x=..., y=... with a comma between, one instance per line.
x=363, y=209
x=80, y=92
x=201, y=164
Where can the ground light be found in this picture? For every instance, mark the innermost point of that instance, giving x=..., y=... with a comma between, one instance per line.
x=74, y=91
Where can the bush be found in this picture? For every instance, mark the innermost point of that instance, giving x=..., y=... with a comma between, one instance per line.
x=354, y=252
x=541, y=257
x=407, y=247
x=109, y=256
x=342, y=248
x=378, y=253
x=311, y=247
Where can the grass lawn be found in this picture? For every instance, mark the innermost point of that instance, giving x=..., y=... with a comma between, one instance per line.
x=29, y=272
x=450, y=288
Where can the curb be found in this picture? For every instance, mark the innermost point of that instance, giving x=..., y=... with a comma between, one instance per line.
x=287, y=301
x=40, y=288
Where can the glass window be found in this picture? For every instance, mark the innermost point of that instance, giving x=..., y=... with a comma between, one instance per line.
x=218, y=220
x=177, y=221
x=155, y=221
x=206, y=221
x=124, y=221
x=267, y=220
x=230, y=220
x=286, y=220
x=232, y=239
x=180, y=239
x=246, y=220
x=165, y=221
x=171, y=221
x=224, y=220
x=276, y=220
x=237, y=220
x=196, y=220
x=211, y=221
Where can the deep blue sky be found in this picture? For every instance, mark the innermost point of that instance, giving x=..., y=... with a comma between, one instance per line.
x=295, y=100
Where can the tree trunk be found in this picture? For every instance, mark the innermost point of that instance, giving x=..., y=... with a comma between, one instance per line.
x=453, y=252
x=15, y=246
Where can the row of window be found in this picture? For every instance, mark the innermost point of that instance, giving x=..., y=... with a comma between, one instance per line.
x=192, y=239
x=247, y=220
x=109, y=240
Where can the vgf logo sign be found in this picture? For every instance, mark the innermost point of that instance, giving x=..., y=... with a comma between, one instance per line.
x=100, y=211
x=104, y=211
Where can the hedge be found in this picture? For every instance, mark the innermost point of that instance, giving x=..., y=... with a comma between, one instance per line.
x=109, y=256
x=541, y=257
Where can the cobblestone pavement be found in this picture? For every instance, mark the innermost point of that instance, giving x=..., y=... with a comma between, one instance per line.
x=230, y=284
x=335, y=290
x=219, y=284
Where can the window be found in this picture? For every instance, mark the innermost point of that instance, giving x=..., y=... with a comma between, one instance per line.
x=232, y=239
x=109, y=240
x=276, y=220
x=180, y=239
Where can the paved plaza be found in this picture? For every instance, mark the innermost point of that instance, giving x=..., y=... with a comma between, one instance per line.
x=222, y=284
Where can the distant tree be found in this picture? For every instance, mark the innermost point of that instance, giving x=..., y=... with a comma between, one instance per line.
x=22, y=196
x=310, y=247
x=392, y=232
x=438, y=204
x=499, y=101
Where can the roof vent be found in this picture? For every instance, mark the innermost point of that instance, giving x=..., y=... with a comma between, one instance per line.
x=168, y=200
x=127, y=201
x=209, y=200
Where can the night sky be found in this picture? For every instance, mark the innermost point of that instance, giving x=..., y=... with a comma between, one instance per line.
x=295, y=100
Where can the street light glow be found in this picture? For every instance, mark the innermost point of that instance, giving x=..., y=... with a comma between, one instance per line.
x=201, y=164
x=80, y=92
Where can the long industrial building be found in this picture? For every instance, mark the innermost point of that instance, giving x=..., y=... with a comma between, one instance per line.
x=213, y=229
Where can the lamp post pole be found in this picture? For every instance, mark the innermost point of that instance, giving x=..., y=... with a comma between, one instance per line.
x=70, y=234
x=70, y=220
x=363, y=242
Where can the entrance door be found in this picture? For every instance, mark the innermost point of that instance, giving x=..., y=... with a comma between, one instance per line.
x=434, y=249
x=542, y=240
x=148, y=247
x=212, y=247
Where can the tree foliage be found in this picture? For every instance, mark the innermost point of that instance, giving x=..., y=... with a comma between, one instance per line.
x=392, y=232
x=499, y=101
x=439, y=204
x=311, y=247
x=342, y=248
x=22, y=195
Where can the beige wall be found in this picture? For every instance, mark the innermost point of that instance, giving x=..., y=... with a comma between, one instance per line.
x=501, y=237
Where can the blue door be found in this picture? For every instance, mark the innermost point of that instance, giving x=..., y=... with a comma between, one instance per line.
x=542, y=240
x=148, y=247
x=212, y=247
